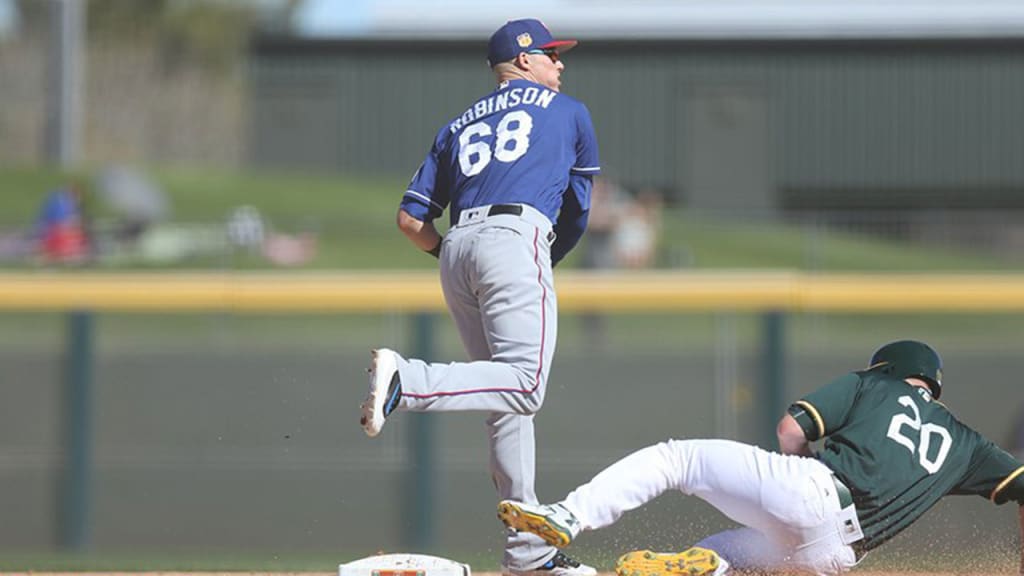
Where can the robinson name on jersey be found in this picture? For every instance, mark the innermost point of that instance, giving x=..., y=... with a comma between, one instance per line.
x=532, y=95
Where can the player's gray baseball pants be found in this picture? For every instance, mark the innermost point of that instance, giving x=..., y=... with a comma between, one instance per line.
x=497, y=282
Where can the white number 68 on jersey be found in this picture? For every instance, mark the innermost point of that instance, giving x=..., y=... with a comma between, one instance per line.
x=474, y=155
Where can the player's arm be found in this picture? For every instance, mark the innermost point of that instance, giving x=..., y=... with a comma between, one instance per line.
x=422, y=234
x=792, y=439
x=425, y=200
x=572, y=219
x=817, y=415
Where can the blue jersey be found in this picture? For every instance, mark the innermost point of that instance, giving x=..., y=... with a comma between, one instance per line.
x=523, y=143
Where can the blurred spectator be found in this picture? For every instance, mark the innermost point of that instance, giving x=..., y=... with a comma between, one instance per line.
x=607, y=201
x=289, y=249
x=246, y=229
x=135, y=198
x=622, y=232
x=606, y=204
x=60, y=232
x=635, y=237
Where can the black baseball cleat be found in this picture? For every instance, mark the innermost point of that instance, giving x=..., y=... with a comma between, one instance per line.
x=385, y=391
x=559, y=565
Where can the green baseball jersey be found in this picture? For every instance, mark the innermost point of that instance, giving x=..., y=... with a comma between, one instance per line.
x=900, y=451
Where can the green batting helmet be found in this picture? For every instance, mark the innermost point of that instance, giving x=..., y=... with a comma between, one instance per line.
x=910, y=358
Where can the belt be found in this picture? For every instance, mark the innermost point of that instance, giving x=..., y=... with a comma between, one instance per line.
x=845, y=501
x=845, y=497
x=514, y=209
x=475, y=215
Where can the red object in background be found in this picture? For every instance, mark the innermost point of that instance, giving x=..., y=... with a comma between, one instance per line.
x=59, y=228
x=64, y=242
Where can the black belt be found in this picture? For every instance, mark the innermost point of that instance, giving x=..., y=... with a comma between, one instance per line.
x=498, y=209
x=514, y=209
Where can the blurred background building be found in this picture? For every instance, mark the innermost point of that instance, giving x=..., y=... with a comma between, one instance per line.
x=278, y=135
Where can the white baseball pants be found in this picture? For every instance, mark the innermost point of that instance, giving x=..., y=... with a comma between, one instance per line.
x=787, y=503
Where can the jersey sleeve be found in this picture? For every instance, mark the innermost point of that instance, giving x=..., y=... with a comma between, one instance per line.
x=427, y=194
x=572, y=218
x=993, y=474
x=823, y=411
x=587, y=162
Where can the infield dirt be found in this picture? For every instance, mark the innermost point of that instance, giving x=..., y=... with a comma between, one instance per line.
x=476, y=574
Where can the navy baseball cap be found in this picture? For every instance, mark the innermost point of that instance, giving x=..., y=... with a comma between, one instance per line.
x=522, y=36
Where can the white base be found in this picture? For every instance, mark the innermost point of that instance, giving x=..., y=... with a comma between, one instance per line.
x=403, y=565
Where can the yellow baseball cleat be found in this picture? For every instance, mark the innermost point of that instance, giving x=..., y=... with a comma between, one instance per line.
x=554, y=523
x=692, y=562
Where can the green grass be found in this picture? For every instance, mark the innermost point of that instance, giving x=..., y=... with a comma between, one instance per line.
x=207, y=195
x=353, y=218
x=711, y=243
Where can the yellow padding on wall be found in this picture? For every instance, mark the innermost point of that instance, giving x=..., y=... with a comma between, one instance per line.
x=577, y=291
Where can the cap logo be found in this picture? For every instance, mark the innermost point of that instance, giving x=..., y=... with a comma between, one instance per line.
x=524, y=39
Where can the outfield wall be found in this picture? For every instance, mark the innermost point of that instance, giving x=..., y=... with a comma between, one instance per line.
x=237, y=428
x=814, y=124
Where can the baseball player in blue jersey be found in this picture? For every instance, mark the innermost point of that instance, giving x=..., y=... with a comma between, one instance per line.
x=515, y=172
